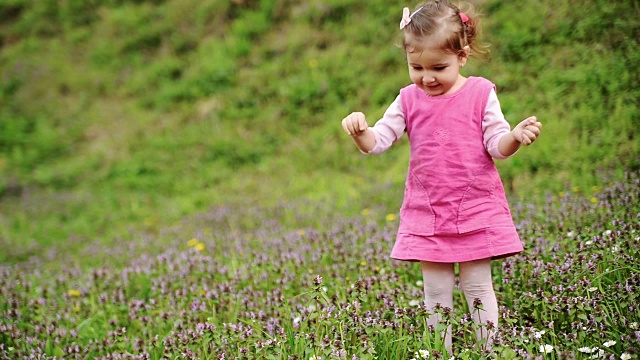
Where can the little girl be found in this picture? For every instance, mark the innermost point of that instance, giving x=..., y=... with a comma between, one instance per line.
x=454, y=209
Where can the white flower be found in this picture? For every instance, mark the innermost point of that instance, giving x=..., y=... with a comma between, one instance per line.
x=625, y=356
x=546, y=348
x=597, y=353
x=609, y=343
x=588, y=242
x=571, y=234
x=424, y=354
x=313, y=357
x=585, y=349
x=419, y=283
x=414, y=302
x=592, y=289
x=607, y=233
x=538, y=334
x=633, y=325
x=297, y=320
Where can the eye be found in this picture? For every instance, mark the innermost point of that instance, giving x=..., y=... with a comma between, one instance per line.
x=417, y=68
x=439, y=68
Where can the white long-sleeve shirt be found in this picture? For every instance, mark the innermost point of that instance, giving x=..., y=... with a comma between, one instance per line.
x=392, y=126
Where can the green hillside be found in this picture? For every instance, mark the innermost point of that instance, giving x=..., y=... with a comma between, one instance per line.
x=122, y=117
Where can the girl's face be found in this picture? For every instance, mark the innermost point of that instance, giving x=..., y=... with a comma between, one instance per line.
x=435, y=71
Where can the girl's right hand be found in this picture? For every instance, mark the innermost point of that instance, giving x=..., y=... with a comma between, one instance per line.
x=527, y=131
x=355, y=124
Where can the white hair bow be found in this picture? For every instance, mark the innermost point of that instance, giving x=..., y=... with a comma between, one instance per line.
x=406, y=17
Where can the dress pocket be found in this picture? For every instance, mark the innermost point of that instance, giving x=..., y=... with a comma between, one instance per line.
x=483, y=203
x=416, y=215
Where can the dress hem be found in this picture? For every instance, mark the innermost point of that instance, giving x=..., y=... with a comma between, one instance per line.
x=456, y=260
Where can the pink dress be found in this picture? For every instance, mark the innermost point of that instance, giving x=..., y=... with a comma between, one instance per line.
x=454, y=207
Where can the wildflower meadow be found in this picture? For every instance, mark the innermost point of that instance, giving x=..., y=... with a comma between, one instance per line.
x=300, y=281
x=175, y=182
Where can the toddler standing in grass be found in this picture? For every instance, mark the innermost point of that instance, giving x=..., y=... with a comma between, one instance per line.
x=454, y=209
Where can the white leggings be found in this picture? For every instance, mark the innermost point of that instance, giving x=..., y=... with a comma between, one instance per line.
x=475, y=281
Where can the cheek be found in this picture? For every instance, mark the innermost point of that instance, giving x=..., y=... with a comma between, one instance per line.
x=415, y=77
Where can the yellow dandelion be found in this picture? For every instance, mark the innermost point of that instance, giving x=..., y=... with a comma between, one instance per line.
x=74, y=292
x=595, y=188
x=313, y=63
x=365, y=212
x=301, y=232
x=376, y=269
x=199, y=247
x=76, y=308
x=193, y=242
x=594, y=200
x=575, y=189
x=561, y=194
x=363, y=263
x=203, y=293
x=391, y=217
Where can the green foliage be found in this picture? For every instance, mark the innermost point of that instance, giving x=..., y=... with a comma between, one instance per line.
x=27, y=142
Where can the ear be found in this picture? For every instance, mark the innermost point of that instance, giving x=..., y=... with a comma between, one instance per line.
x=464, y=55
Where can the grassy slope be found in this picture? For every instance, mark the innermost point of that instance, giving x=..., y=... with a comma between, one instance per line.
x=125, y=117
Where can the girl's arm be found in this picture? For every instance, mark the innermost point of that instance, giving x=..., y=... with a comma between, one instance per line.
x=356, y=126
x=525, y=133
x=500, y=141
x=379, y=138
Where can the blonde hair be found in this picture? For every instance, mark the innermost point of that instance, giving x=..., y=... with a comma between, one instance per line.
x=441, y=21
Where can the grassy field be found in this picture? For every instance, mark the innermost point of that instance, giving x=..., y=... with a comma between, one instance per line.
x=300, y=281
x=174, y=179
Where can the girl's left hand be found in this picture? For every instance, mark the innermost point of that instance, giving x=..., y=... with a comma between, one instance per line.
x=527, y=131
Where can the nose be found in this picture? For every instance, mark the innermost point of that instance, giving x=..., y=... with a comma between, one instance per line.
x=427, y=78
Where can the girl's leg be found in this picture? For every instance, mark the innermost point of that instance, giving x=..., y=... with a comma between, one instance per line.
x=476, y=283
x=439, y=279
